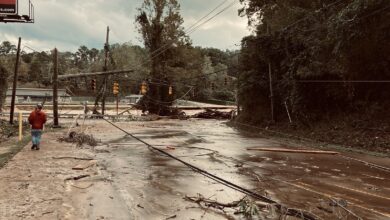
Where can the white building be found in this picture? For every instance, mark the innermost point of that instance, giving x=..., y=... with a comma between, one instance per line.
x=28, y=95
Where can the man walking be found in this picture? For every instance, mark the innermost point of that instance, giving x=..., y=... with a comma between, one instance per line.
x=37, y=119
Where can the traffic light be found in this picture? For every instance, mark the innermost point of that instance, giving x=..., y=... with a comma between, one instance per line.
x=144, y=88
x=226, y=81
x=93, y=84
x=212, y=86
x=115, y=88
x=170, y=90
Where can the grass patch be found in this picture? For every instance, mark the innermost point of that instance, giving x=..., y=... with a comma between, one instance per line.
x=13, y=150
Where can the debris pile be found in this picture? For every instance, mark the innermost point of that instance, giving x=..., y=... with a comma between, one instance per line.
x=213, y=114
x=246, y=207
x=79, y=139
x=179, y=115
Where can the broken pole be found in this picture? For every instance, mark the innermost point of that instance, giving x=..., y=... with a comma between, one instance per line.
x=106, y=50
x=55, y=90
x=11, y=117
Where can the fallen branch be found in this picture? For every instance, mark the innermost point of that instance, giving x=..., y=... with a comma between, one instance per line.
x=212, y=203
x=293, y=151
x=75, y=158
x=77, y=177
x=85, y=165
x=171, y=217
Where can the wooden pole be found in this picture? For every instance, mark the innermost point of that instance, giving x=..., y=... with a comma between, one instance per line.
x=271, y=91
x=20, y=126
x=55, y=89
x=105, y=69
x=117, y=104
x=270, y=81
x=11, y=117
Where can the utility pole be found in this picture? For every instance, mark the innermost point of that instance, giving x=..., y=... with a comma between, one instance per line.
x=55, y=90
x=106, y=50
x=271, y=91
x=270, y=82
x=11, y=117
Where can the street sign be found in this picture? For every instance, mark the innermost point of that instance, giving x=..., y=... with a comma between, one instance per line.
x=8, y=7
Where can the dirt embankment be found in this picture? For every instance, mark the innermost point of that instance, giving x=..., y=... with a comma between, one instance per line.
x=356, y=132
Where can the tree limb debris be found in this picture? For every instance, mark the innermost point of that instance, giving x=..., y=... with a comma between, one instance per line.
x=252, y=209
x=171, y=217
x=213, y=114
x=77, y=177
x=79, y=139
x=212, y=203
x=75, y=158
x=85, y=165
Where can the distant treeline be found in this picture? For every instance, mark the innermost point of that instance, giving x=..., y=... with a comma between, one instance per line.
x=198, y=67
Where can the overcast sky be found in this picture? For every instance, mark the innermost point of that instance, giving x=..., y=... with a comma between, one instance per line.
x=67, y=24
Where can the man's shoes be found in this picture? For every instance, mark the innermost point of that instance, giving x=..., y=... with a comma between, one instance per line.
x=34, y=147
x=37, y=147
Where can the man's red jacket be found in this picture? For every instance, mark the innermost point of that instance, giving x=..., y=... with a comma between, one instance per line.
x=37, y=119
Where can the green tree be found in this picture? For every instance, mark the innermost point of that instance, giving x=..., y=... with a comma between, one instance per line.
x=7, y=48
x=160, y=25
x=313, y=40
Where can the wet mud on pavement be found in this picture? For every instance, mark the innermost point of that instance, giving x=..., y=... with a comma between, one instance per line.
x=151, y=186
x=132, y=181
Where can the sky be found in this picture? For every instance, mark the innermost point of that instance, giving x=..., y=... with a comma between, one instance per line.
x=67, y=24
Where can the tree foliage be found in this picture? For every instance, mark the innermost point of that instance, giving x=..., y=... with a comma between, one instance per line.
x=314, y=41
x=160, y=25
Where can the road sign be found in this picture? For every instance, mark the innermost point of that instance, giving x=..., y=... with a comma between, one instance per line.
x=8, y=7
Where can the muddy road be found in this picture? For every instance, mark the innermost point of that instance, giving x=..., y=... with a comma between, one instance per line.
x=132, y=181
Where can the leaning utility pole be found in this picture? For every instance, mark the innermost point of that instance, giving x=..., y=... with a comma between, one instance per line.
x=55, y=90
x=106, y=49
x=11, y=117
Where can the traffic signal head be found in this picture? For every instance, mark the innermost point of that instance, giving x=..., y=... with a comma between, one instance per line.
x=170, y=90
x=115, y=88
x=212, y=86
x=144, y=88
x=226, y=81
x=93, y=84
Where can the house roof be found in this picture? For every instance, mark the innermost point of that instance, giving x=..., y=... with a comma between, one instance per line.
x=34, y=92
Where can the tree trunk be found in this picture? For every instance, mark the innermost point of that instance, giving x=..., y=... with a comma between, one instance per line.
x=3, y=86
